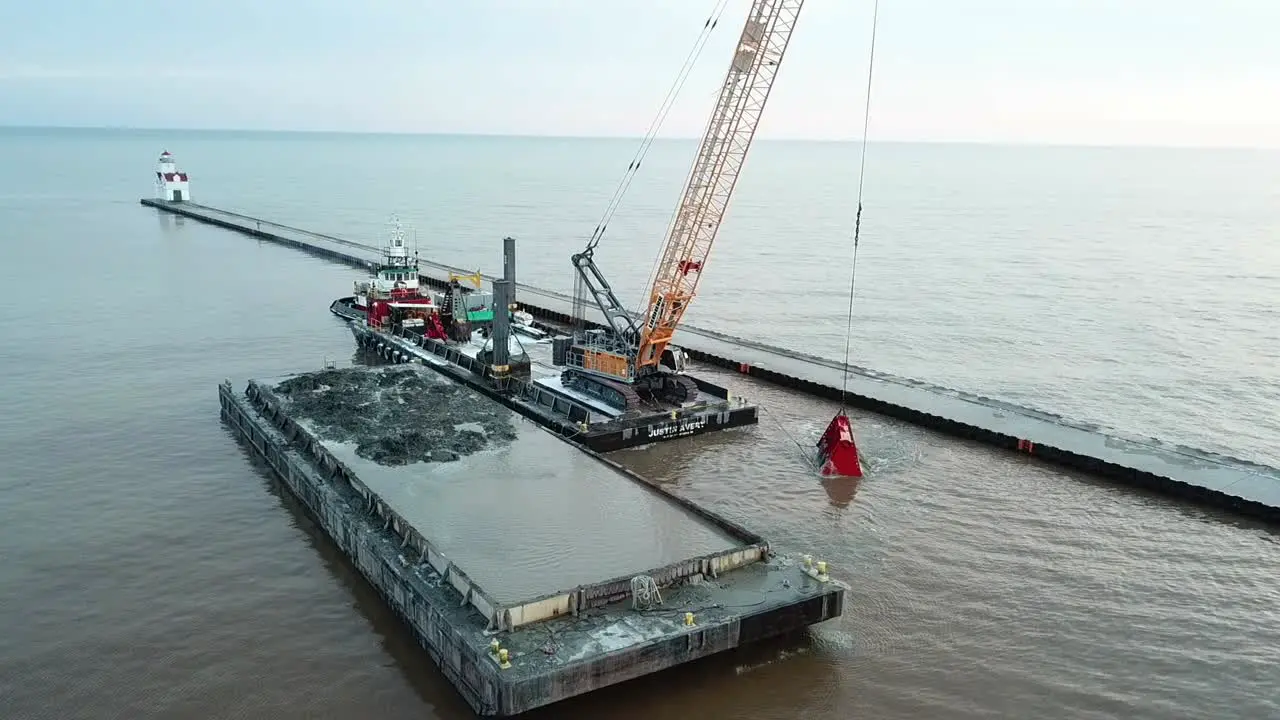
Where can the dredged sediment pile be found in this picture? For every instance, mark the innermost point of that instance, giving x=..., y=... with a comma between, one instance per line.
x=397, y=415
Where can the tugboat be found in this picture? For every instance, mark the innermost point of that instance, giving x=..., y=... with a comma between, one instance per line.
x=394, y=292
x=394, y=289
x=398, y=272
x=395, y=314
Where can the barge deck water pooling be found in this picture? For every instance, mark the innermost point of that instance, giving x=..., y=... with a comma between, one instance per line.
x=486, y=482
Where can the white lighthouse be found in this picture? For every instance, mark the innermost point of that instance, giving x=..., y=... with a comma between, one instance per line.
x=171, y=184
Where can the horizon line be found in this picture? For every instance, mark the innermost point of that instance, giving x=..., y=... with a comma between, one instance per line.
x=554, y=136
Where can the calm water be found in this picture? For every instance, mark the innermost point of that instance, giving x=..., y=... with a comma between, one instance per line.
x=152, y=570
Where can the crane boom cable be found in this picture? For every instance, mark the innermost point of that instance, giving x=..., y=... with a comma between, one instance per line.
x=721, y=155
x=651, y=134
x=580, y=290
x=632, y=359
x=857, y=222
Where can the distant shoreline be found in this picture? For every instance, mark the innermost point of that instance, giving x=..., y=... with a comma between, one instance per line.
x=75, y=129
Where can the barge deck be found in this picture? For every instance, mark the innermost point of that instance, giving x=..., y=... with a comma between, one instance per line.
x=542, y=398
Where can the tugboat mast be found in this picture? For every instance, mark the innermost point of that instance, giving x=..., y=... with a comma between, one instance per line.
x=396, y=252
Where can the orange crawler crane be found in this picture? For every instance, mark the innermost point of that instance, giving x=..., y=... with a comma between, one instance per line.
x=632, y=363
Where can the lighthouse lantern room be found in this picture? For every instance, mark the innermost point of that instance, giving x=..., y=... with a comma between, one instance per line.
x=171, y=184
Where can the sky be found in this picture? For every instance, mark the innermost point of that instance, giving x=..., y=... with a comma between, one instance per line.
x=1098, y=72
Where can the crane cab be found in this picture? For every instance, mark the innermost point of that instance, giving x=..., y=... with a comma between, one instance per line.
x=674, y=359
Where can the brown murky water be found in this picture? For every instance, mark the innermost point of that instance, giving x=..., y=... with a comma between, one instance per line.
x=149, y=569
x=983, y=585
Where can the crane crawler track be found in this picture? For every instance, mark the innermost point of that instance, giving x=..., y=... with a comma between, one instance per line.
x=654, y=393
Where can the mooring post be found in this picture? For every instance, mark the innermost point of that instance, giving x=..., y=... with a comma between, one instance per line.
x=501, y=322
x=509, y=267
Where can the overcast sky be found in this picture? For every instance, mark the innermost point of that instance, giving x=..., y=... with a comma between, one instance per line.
x=1063, y=71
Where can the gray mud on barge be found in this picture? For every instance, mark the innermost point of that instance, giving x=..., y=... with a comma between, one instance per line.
x=397, y=416
x=524, y=513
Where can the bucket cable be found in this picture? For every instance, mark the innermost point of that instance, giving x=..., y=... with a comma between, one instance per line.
x=651, y=134
x=579, y=291
x=857, y=222
x=805, y=454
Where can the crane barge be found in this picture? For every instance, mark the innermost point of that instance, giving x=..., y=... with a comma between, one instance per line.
x=631, y=364
x=622, y=383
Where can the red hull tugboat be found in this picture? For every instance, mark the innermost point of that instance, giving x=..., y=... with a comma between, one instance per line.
x=395, y=290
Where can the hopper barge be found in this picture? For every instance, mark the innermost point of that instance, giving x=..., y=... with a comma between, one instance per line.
x=526, y=587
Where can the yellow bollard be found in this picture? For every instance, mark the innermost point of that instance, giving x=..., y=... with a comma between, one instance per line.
x=808, y=561
x=503, y=661
x=688, y=619
x=822, y=567
x=493, y=646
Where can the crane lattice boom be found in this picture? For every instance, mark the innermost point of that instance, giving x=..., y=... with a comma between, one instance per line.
x=624, y=365
x=715, y=172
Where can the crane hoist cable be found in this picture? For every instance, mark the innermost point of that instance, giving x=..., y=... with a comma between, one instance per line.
x=690, y=60
x=579, y=291
x=857, y=222
x=632, y=358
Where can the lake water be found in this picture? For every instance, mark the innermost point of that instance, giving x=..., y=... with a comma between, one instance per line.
x=152, y=570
